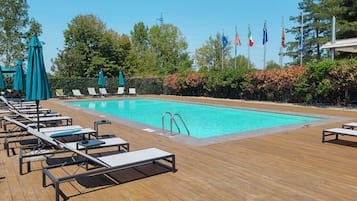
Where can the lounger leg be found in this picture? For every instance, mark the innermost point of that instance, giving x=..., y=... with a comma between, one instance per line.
x=20, y=162
x=336, y=137
x=323, y=136
x=43, y=178
x=57, y=190
x=6, y=146
x=173, y=164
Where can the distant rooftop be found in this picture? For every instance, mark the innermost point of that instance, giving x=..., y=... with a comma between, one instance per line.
x=342, y=45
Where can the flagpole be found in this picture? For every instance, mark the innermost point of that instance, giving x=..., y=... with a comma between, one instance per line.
x=301, y=39
x=235, y=52
x=248, y=48
x=265, y=44
x=222, y=49
x=282, y=43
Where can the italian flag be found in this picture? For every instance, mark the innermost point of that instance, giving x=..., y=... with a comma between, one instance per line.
x=250, y=37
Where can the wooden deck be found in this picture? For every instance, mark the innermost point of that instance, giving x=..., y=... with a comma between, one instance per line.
x=292, y=165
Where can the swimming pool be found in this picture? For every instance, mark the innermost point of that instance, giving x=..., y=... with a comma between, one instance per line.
x=203, y=121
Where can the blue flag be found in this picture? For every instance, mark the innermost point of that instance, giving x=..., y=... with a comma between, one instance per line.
x=265, y=34
x=224, y=42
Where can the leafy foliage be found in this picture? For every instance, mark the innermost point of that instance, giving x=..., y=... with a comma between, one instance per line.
x=317, y=15
x=89, y=47
x=16, y=29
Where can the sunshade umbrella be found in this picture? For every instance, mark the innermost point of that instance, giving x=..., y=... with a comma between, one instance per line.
x=2, y=83
x=121, y=79
x=37, y=87
x=19, y=80
x=101, y=80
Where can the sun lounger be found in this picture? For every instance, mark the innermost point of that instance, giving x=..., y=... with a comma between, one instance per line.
x=92, y=92
x=103, y=92
x=107, y=164
x=46, y=120
x=17, y=106
x=77, y=93
x=336, y=132
x=60, y=94
x=351, y=125
x=132, y=91
x=49, y=138
x=121, y=91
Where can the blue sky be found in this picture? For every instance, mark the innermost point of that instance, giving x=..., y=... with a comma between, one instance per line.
x=196, y=19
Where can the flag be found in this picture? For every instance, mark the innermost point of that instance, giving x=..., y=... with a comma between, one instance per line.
x=250, y=37
x=265, y=34
x=224, y=42
x=282, y=37
x=237, y=41
x=302, y=47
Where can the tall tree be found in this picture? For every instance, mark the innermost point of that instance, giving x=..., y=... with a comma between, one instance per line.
x=16, y=29
x=209, y=56
x=143, y=59
x=170, y=48
x=317, y=15
x=140, y=38
x=89, y=47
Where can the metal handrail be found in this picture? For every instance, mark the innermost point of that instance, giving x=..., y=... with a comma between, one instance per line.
x=172, y=119
x=182, y=121
x=163, y=121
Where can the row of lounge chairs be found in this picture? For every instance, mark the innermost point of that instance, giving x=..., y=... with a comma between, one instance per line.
x=57, y=138
x=92, y=92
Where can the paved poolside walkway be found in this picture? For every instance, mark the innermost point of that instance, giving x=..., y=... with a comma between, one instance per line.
x=288, y=165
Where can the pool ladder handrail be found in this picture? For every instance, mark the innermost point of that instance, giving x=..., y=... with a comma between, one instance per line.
x=172, y=119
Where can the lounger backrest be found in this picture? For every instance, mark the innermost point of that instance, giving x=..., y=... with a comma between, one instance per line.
x=132, y=91
x=15, y=111
x=45, y=138
x=91, y=158
x=120, y=90
x=102, y=90
x=59, y=92
x=15, y=122
x=3, y=99
x=76, y=92
x=91, y=91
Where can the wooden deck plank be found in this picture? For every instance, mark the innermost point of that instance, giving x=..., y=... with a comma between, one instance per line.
x=290, y=165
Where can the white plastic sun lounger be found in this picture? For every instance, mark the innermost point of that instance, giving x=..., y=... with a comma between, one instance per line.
x=92, y=92
x=337, y=132
x=121, y=91
x=103, y=92
x=77, y=93
x=132, y=91
x=350, y=125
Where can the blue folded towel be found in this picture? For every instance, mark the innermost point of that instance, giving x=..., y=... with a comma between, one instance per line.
x=65, y=133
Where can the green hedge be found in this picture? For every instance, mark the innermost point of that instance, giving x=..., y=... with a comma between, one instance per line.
x=142, y=85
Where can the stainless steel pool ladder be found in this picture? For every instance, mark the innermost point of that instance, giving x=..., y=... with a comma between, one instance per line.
x=172, y=119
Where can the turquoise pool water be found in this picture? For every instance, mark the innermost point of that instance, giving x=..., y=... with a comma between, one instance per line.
x=202, y=120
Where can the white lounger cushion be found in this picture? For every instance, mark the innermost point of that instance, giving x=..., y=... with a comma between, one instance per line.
x=342, y=131
x=107, y=142
x=351, y=124
x=42, y=119
x=69, y=132
x=133, y=157
x=59, y=128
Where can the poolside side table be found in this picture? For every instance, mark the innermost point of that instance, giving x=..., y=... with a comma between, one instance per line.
x=100, y=122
